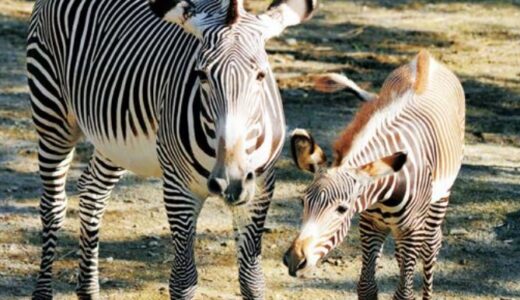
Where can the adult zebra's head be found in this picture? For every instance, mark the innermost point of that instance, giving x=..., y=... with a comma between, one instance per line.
x=242, y=110
x=330, y=201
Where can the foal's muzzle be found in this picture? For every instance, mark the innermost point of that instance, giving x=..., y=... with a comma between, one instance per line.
x=293, y=261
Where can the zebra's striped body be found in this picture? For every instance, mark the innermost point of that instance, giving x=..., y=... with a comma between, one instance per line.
x=186, y=101
x=395, y=164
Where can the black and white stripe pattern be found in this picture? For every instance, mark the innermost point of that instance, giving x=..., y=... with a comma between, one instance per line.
x=193, y=102
x=395, y=164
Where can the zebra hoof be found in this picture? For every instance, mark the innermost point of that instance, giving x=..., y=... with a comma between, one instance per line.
x=403, y=297
x=42, y=295
x=85, y=296
x=371, y=296
x=367, y=290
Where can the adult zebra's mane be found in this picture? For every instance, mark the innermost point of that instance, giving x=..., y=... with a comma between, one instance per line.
x=410, y=76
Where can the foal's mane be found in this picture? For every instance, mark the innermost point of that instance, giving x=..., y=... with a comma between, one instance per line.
x=410, y=76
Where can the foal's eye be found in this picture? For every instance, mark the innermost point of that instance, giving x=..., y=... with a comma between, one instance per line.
x=342, y=209
x=260, y=76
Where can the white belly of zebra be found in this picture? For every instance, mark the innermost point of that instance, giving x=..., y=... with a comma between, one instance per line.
x=441, y=188
x=137, y=154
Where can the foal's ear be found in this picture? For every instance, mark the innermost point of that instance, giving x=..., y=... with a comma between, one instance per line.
x=285, y=13
x=307, y=155
x=383, y=167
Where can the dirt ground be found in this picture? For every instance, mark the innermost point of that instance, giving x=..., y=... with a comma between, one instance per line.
x=479, y=40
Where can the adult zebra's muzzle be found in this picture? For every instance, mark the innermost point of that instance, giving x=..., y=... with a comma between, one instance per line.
x=235, y=191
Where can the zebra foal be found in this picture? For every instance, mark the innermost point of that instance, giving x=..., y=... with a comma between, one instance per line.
x=395, y=164
x=190, y=98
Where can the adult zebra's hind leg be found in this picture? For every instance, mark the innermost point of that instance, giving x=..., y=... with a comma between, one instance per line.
x=54, y=161
x=432, y=244
x=95, y=185
x=372, y=240
x=58, y=133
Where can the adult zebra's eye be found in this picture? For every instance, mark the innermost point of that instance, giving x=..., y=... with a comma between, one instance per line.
x=203, y=77
x=250, y=176
x=342, y=209
x=260, y=76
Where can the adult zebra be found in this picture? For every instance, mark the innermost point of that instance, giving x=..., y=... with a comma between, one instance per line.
x=395, y=164
x=194, y=102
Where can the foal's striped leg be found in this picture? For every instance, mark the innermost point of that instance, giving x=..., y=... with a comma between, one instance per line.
x=372, y=241
x=432, y=244
x=407, y=252
x=95, y=185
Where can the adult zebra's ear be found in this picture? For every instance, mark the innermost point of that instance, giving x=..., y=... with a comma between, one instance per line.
x=382, y=167
x=307, y=155
x=182, y=13
x=284, y=13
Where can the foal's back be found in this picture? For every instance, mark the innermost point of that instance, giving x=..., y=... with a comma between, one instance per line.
x=440, y=99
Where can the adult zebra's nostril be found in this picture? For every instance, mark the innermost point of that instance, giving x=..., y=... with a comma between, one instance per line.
x=250, y=176
x=215, y=187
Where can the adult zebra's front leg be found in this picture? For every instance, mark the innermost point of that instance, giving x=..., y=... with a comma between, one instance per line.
x=95, y=186
x=248, y=225
x=182, y=209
